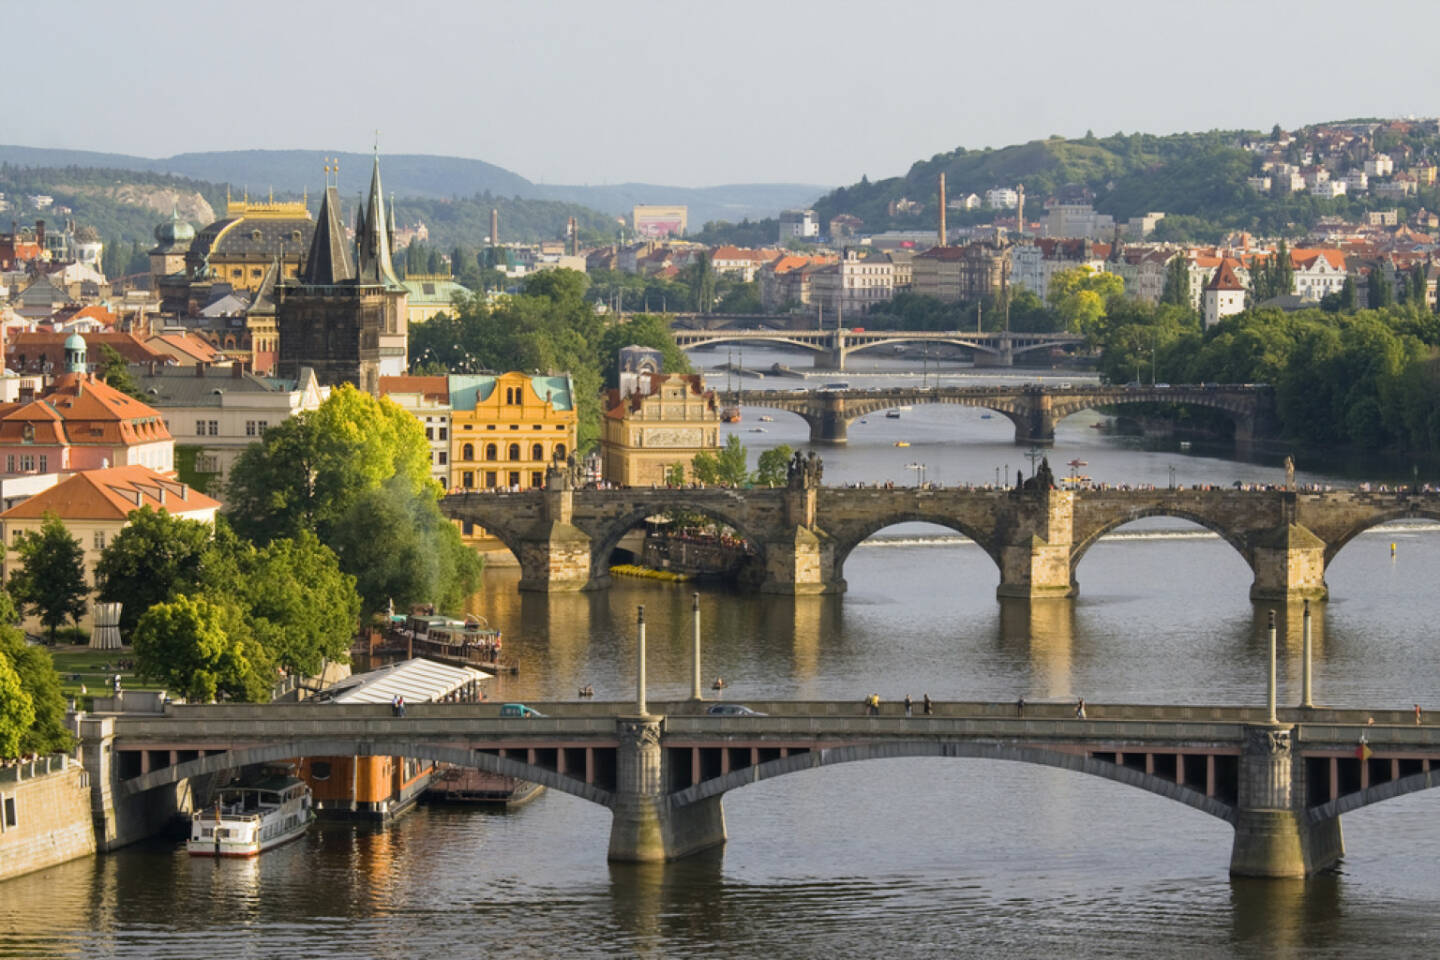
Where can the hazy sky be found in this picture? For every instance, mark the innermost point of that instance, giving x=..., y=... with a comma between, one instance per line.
x=691, y=93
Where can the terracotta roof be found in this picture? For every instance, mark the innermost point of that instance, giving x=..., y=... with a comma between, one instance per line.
x=615, y=405
x=111, y=494
x=186, y=345
x=29, y=351
x=1225, y=279
x=1307, y=258
x=80, y=410
x=432, y=388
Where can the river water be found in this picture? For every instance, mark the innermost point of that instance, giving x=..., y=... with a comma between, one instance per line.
x=887, y=858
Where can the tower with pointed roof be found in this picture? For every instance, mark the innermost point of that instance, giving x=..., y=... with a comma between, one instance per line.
x=1224, y=295
x=345, y=314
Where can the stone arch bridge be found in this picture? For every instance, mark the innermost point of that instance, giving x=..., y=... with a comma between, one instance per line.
x=1033, y=409
x=832, y=347
x=1282, y=785
x=803, y=534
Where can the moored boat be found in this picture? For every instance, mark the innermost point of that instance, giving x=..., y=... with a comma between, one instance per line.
x=246, y=821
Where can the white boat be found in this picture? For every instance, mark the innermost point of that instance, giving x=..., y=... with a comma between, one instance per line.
x=246, y=821
x=906, y=406
x=892, y=414
x=757, y=429
x=767, y=419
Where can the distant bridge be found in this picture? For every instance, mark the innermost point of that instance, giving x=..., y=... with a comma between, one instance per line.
x=803, y=534
x=831, y=347
x=662, y=772
x=1034, y=409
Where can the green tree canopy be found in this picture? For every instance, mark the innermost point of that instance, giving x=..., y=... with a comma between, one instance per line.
x=201, y=649
x=727, y=467
x=46, y=732
x=772, y=468
x=644, y=330
x=154, y=557
x=116, y=373
x=51, y=579
x=1081, y=295
x=17, y=710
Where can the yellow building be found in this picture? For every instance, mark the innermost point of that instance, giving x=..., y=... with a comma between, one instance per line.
x=665, y=419
x=505, y=431
x=431, y=295
x=237, y=248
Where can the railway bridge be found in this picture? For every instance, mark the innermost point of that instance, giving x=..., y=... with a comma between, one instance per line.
x=803, y=533
x=1280, y=778
x=1033, y=409
x=832, y=347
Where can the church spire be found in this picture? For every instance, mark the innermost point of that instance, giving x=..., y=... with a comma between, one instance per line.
x=329, y=258
x=373, y=238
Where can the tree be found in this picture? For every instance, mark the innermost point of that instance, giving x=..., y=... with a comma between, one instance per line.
x=47, y=732
x=200, y=648
x=644, y=330
x=116, y=373
x=727, y=466
x=1081, y=295
x=1283, y=277
x=773, y=466
x=156, y=556
x=1177, y=282
x=1380, y=292
x=17, y=711
x=702, y=283
x=675, y=475
x=51, y=580
x=1348, y=300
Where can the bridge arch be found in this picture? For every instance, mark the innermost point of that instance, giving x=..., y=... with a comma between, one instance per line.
x=1389, y=790
x=1239, y=411
x=604, y=540
x=1405, y=511
x=1160, y=510
x=848, y=538
x=471, y=508
x=955, y=749
x=220, y=762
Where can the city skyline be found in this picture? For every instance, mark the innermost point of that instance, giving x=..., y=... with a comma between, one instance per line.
x=753, y=93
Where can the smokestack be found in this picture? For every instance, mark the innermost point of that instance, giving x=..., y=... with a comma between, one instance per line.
x=574, y=237
x=494, y=227
x=40, y=233
x=942, y=208
x=1020, y=210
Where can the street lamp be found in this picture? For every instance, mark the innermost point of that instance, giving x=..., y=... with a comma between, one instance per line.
x=1172, y=476
x=1034, y=454
x=919, y=469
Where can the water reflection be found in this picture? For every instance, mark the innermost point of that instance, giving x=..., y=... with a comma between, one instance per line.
x=1041, y=632
x=1285, y=917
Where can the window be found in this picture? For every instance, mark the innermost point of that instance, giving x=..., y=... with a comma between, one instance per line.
x=10, y=463
x=467, y=452
x=514, y=478
x=10, y=820
x=490, y=479
x=441, y=455
x=99, y=539
x=514, y=451
x=490, y=452
x=429, y=433
x=559, y=451
x=214, y=428
x=27, y=462
x=249, y=428
x=488, y=426
x=514, y=426
x=264, y=424
x=536, y=480
x=320, y=770
x=537, y=451
x=469, y=528
x=442, y=433
x=44, y=463
x=199, y=428
x=537, y=427
x=468, y=479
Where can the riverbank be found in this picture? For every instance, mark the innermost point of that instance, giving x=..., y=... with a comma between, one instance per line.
x=44, y=815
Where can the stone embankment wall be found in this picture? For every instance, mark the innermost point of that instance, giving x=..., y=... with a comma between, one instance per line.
x=44, y=815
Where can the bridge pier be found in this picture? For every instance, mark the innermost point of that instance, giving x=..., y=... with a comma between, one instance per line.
x=122, y=820
x=832, y=358
x=1036, y=563
x=1273, y=835
x=645, y=828
x=830, y=425
x=1036, y=425
x=555, y=554
x=1289, y=565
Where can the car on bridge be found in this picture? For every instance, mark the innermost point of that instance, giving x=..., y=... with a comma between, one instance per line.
x=519, y=710
x=731, y=710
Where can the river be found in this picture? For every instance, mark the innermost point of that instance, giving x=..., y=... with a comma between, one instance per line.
x=887, y=858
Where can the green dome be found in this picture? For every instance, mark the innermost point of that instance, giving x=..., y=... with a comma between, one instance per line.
x=75, y=342
x=174, y=231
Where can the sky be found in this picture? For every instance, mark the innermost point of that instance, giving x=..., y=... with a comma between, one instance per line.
x=692, y=94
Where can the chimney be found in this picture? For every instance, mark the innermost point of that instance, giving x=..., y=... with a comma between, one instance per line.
x=1019, y=209
x=942, y=208
x=40, y=233
x=494, y=227
x=154, y=368
x=200, y=368
x=237, y=368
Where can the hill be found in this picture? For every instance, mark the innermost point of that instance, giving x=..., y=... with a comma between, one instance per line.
x=1197, y=179
x=424, y=176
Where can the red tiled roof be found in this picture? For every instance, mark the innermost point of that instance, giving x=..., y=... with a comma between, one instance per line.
x=111, y=494
x=432, y=388
x=1225, y=279
x=79, y=410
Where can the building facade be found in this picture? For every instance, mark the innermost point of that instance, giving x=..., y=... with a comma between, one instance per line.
x=962, y=274
x=427, y=399
x=655, y=421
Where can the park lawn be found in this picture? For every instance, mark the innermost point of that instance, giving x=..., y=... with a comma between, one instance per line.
x=94, y=668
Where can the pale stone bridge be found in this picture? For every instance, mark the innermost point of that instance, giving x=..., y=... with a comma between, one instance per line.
x=663, y=771
x=831, y=347
x=803, y=534
x=1034, y=409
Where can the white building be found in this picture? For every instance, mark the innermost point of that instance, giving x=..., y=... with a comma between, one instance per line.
x=852, y=286
x=1328, y=189
x=970, y=201
x=1318, y=272
x=1224, y=295
x=427, y=399
x=1002, y=198
x=1357, y=181
x=1380, y=165
x=798, y=224
x=1258, y=184
x=1078, y=220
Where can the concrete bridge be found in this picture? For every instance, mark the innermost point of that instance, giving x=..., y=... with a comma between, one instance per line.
x=1034, y=409
x=803, y=534
x=831, y=347
x=1281, y=784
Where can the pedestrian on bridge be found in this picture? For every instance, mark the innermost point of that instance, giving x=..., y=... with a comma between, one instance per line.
x=929, y=707
x=1080, y=709
x=1418, y=721
x=907, y=705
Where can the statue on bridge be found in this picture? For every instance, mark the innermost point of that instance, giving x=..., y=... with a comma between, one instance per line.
x=1289, y=473
x=1044, y=478
x=804, y=471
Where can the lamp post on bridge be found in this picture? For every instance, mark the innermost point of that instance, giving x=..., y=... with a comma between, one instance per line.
x=1270, y=690
x=1305, y=700
x=919, y=469
x=695, y=616
x=640, y=708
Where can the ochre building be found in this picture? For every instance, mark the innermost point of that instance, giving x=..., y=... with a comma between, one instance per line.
x=665, y=421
